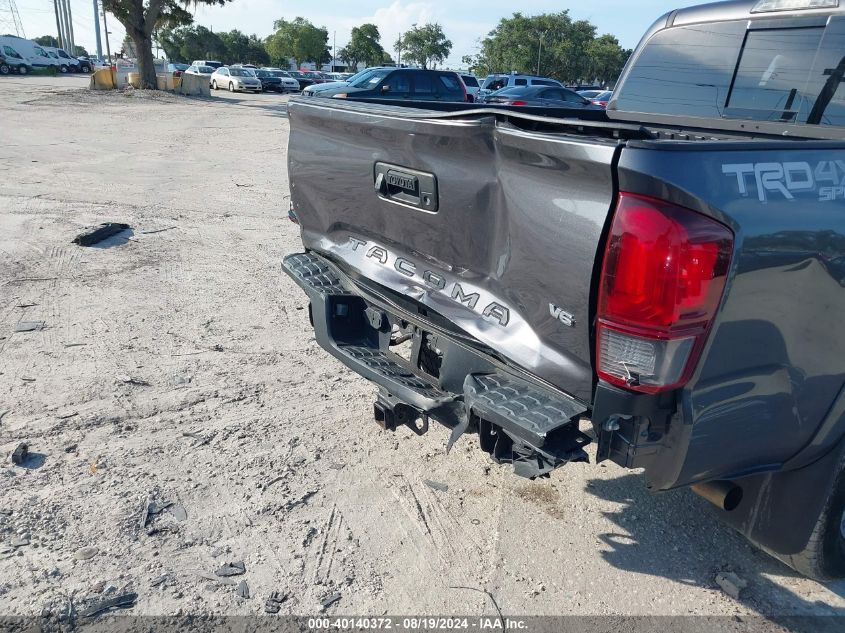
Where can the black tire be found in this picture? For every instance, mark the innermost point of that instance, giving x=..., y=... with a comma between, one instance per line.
x=214, y=85
x=231, y=87
x=64, y=69
x=86, y=69
x=824, y=556
x=23, y=70
x=5, y=69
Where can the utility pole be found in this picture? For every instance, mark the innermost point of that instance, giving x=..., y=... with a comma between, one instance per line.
x=106, y=32
x=540, y=51
x=70, y=28
x=97, y=28
x=66, y=39
x=58, y=22
x=334, y=50
x=13, y=21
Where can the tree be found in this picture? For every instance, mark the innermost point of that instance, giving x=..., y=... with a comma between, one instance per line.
x=188, y=43
x=141, y=18
x=363, y=46
x=552, y=44
x=607, y=59
x=399, y=47
x=79, y=51
x=241, y=48
x=298, y=40
x=426, y=45
x=47, y=40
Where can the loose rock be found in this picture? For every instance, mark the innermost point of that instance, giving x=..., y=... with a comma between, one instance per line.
x=86, y=553
x=232, y=569
x=20, y=454
x=730, y=583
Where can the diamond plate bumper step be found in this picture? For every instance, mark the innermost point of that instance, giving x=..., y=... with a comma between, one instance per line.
x=332, y=307
x=543, y=426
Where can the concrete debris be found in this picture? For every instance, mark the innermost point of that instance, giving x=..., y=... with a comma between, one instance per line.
x=330, y=600
x=97, y=234
x=20, y=454
x=129, y=380
x=730, y=583
x=274, y=602
x=243, y=590
x=232, y=569
x=86, y=553
x=177, y=510
x=436, y=485
x=123, y=601
x=29, y=326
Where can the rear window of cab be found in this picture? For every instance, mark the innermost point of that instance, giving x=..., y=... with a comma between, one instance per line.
x=742, y=70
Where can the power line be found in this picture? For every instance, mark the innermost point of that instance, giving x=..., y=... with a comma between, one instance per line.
x=10, y=19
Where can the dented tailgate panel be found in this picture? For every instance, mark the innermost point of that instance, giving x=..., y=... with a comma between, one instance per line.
x=493, y=227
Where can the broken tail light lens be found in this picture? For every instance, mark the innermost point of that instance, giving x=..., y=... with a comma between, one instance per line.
x=662, y=280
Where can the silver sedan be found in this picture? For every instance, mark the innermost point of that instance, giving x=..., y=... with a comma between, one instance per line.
x=235, y=79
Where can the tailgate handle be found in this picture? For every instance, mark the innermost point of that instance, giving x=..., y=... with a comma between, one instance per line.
x=406, y=186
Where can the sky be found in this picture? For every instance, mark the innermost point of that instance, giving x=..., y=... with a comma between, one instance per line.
x=464, y=21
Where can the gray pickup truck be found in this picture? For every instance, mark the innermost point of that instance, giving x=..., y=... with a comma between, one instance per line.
x=672, y=269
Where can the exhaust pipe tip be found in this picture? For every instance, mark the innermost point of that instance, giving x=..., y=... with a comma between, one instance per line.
x=725, y=495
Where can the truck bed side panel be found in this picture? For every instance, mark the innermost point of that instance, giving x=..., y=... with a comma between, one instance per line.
x=507, y=257
x=773, y=365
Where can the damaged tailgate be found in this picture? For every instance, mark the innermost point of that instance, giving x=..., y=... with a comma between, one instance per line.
x=494, y=227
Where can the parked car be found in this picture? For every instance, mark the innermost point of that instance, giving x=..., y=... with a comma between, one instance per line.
x=269, y=81
x=492, y=83
x=95, y=62
x=636, y=268
x=9, y=64
x=472, y=86
x=207, y=62
x=403, y=83
x=177, y=69
x=288, y=83
x=67, y=62
x=35, y=56
x=235, y=79
x=317, y=89
x=540, y=96
x=316, y=77
x=206, y=71
x=602, y=99
x=579, y=88
x=303, y=78
x=589, y=94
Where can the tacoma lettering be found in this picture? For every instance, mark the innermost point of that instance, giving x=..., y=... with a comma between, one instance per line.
x=492, y=311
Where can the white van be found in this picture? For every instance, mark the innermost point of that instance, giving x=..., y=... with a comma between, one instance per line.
x=34, y=54
x=68, y=62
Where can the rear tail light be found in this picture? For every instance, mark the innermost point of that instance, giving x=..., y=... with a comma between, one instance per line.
x=519, y=103
x=662, y=280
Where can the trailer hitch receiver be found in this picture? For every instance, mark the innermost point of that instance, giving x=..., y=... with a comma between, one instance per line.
x=390, y=414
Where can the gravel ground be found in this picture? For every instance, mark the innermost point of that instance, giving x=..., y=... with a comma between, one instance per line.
x=176, y=365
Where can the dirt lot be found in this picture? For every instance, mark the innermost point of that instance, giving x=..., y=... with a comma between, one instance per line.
x=176, y=364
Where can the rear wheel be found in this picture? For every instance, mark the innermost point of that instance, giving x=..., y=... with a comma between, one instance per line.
x=22, y=70
x=231, y=87
x=824, y=556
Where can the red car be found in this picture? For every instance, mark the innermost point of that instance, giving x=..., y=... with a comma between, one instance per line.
x=602, y=98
